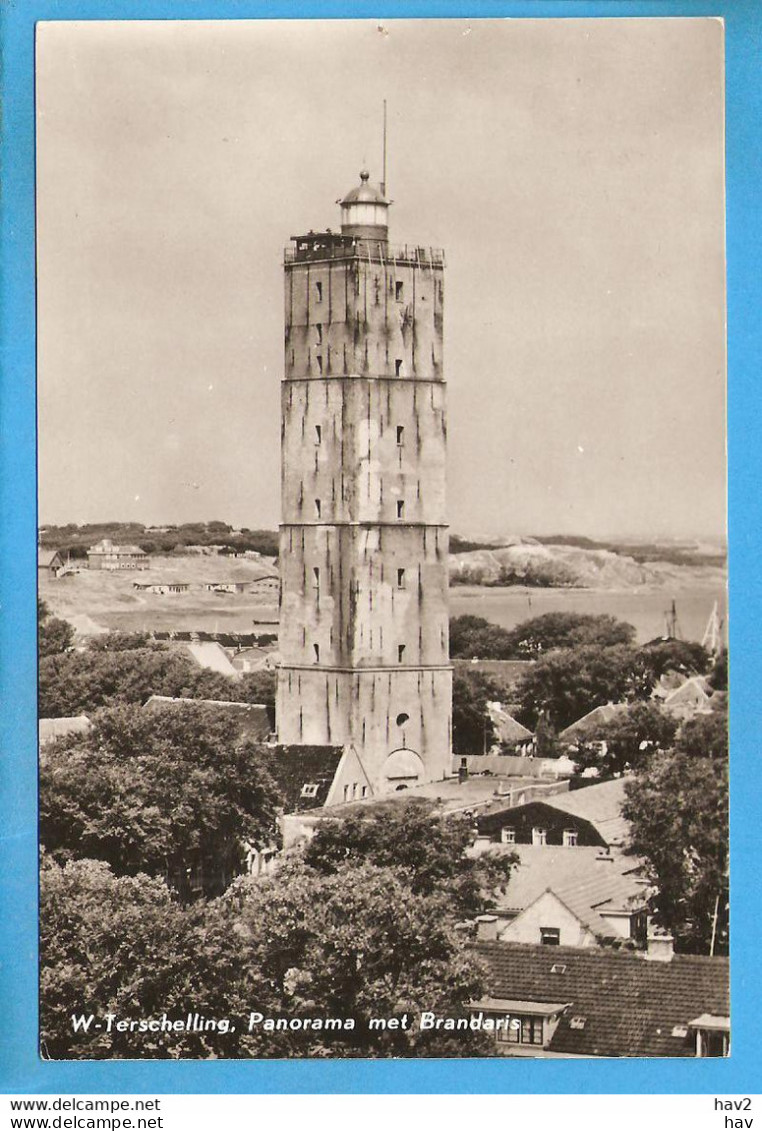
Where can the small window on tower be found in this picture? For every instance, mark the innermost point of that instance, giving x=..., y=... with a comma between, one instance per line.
x=398, y=366
x=316, y=650
x=400, y=508
x=400, y=653
x=318, y=434
x=402, y=718
x=316, y=576
x=318, y=292
x=318, y=508
x=319, y=360
x=400, y=435
x=399, y=289
x=400, y=579
x=319, y=331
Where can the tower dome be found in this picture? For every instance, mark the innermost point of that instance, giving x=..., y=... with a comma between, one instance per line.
x=364, y=211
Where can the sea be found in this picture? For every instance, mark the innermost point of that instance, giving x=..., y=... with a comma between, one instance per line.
x=648, y=610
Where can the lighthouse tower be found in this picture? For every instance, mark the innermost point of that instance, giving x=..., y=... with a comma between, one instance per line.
x=363, y=540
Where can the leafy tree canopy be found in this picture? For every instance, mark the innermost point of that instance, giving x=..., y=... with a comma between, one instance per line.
x=568, y=683
x=686, y=656
x=160, y=791
x=427, y=849
x=704, y=736
x=476, y=638
x=472, y=729
x=539, y=635
x=110, y=672
x=54, y=635
x=678, y=809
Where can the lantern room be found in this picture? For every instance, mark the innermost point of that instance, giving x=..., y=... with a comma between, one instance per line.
x=364, y=211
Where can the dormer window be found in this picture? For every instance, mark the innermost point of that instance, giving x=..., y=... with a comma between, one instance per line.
x=539, y=836
x=309, y=789
x=570, y=838
x=508, y=835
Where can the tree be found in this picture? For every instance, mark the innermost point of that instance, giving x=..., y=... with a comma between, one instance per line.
x=166, y=792
x=472, y=729
x=685, y=656
x=568, y=683
x=54, y=636
x=111, y=672
x=678, y=809
x=539, y=635
x=718, y=676
x=476, y=638
x=357, y=943
x=704, y=736
x=428, y=850
x=629, y=738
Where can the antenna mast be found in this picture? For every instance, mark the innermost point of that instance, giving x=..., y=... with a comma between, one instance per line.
x=383, y=182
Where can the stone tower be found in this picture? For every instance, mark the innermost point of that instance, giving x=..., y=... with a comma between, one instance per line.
x=363, y=539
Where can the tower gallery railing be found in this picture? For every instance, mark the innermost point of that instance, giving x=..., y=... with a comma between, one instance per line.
x=362, y=249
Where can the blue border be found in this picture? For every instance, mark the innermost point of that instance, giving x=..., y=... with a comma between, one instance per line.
x=20, y=1068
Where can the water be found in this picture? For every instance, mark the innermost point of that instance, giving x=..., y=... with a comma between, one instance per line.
x=646, y=609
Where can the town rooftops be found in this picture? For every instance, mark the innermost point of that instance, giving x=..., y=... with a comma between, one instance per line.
x=599, y=805
x=106, y=546
x=585, y=872
x=51, y=729
x=211, y=656
x=617, y=1003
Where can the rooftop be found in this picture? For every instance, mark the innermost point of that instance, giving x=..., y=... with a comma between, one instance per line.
x=630, y=1006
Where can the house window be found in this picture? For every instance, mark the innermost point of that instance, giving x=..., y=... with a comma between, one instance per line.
x=364, y=791
x=711, y=1042
x=309, y=789
x=398, y=367
x=318, y=292
x=400, y=579
x=522, y=1030
x=318, y=434
x=539, y=836
x=400, y=653
x=316, y=650
x=318, y=508
x=399, y=290
x=400, y=509
x=346, y=793
x=400, y=435
x=570, y=838
x=550, y=936
x=508, y=835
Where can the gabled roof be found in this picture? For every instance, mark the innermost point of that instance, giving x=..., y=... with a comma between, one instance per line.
x=46, y=558
x=631, y=1006
x=254, y=720
x=297, y=769
x=600, y=804
x=544, y=866
x=590, y=722
x=690, y=693
x=506, y=727
x=212, y=656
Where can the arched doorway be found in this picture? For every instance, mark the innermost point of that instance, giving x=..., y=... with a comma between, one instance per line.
x=401, y=769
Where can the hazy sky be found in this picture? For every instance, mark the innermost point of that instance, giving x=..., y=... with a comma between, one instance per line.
x=571, y=169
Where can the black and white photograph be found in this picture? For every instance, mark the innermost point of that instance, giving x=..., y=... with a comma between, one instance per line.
x=382, y=564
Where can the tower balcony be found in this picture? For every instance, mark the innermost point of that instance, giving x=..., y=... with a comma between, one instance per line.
x=317, y=247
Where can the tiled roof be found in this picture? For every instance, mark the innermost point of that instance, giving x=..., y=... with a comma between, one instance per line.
x=560, y=869
x=254, y=720
x=297, y=767
x=47, y=557
x=600, y=804
x=212, y=656
x=631, y=1006
x=693, y=691
x=590, y=722
x=507, y=728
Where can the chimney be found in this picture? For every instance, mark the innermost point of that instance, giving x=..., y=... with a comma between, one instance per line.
x=486, y=928
x=661, y=947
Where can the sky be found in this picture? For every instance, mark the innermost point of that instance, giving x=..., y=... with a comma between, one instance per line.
x=571, y=169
